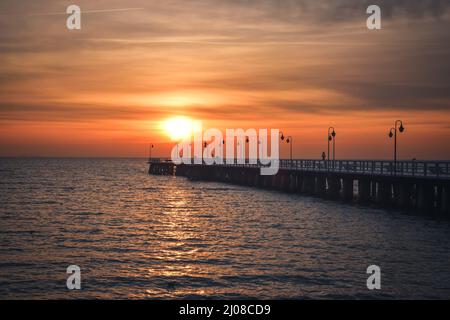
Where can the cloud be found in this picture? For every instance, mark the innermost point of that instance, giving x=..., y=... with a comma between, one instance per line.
x=259, y=55
x=38, y=112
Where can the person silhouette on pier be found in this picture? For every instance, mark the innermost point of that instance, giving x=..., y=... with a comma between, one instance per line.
x=323, y=156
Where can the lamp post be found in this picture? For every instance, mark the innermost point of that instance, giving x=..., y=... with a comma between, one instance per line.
x=393, y=133
x=150, y=153
x=331, y=137
x=290, y=142
x=282, y=137
x=221, y=145
x=247, y=140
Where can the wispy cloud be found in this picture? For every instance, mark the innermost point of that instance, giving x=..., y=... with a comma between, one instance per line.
x=36, y=14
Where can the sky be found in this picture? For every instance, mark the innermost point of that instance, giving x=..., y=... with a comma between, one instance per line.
x=299, y=66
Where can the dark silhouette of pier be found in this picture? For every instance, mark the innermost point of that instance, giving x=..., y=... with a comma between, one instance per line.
x=422, y=186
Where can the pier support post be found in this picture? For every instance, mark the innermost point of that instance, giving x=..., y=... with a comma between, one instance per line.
x=320, y=188
x=268, y=181
x=256, y=179
x=347, y=192
x=364, y=190
x=384, y=193
x=271, y=181
x=374, y=189
x=403, y=196
x=308, y=184
x=300, y=179
x=292, y=182
x=334, y=187
x=284, y=181
x=445, y=199
x=274, y=181
x=260, y=181
x=425, y=198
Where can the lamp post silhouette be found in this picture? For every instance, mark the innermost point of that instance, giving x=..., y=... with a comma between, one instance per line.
x=221, y=145
x=150, y=153
x=331, y=137
x=393, y=133
x=282, y=137
x=290, y=142
x=247, y=140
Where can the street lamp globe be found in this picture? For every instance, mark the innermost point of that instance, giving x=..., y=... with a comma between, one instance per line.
x=391, y=132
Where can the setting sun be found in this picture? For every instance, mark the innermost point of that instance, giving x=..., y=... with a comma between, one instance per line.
x=178, y=128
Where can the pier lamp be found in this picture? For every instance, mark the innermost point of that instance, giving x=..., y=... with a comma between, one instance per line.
x=150, y=149
x=282, y=137
x=398, y=126
x=331, y=138
x=205, y=144
x=391, y=134
x=290, y=142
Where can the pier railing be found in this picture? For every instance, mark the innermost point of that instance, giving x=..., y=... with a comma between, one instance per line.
x=412, y=168
x=432, y=169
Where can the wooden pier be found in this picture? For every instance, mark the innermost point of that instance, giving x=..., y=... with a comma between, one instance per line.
x=417, y=186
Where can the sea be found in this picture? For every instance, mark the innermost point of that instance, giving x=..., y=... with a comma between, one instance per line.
x=136, y=236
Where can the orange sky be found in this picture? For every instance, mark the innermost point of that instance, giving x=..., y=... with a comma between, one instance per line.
x=296, y=66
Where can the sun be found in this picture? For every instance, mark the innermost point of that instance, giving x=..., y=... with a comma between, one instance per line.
x=178, y=128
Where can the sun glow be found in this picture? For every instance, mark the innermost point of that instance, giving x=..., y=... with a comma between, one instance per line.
x=179, y=128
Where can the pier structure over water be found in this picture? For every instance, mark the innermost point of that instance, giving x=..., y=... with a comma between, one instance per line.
x=421, y=186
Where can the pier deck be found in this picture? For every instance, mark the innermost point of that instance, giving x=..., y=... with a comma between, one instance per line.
x=422, y=186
